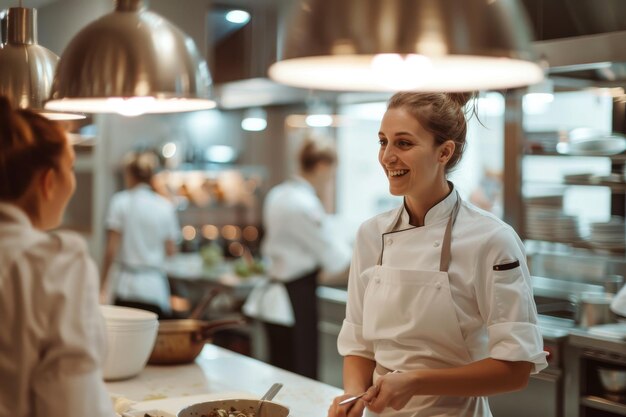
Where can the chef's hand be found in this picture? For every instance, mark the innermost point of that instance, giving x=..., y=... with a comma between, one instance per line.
x=392, y=390
x=353, y=409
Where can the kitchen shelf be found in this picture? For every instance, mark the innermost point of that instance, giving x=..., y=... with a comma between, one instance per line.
x=603, y=404
x=614, y=186
x=583, y=244
x=621, y=157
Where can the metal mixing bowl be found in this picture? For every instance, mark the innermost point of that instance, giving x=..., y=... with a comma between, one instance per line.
x=613, y=380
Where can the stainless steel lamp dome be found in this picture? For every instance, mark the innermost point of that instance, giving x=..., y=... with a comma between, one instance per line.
x=26, y=68
x=131, y=61
x=425, y=45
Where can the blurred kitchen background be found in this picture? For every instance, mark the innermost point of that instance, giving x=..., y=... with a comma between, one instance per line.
x=522, y=163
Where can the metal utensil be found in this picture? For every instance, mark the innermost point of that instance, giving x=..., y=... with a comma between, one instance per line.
x=356, y=397
x=268, y=396
x=351, y=399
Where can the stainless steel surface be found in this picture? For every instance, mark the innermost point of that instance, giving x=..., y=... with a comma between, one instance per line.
x=344, y=29
x=467, y=27
x=268, y=396
x=131, y=52
x=594, y=309
x=271, y=393
x=613, y=380
x=26, y=68
x=598, y=57
x=585, y=353
x=563, y=288
x=22, y=28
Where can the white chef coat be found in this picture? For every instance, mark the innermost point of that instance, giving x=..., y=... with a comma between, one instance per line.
x=145, y=220
x=52, y=336
x=298, y=240
x=298, y=236
x=495, y=311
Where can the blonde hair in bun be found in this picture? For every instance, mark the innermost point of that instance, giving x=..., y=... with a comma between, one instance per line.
x=442, y=114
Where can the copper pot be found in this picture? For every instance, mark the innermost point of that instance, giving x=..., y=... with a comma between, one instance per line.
x=180, y=341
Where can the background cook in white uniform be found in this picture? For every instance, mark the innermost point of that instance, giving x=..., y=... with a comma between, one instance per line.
x=485, y=339
x=142, y=230
x=298, y=242
x=299, y=239
x=52, y=336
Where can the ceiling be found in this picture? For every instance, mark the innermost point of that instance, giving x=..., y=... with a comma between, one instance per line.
x=568, y=33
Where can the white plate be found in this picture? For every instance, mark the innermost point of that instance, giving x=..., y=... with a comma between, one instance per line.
x=607, y=145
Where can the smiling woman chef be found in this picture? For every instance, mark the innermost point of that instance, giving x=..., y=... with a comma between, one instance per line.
x=438, y=290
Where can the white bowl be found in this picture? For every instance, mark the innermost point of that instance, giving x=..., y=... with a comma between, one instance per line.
x=613, y=380
x=117, y=314
x=128, y=350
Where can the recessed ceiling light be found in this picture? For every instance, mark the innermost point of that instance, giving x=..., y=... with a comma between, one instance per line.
x=238, y=16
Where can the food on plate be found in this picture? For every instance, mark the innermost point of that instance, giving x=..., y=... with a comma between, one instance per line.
x=231, y=412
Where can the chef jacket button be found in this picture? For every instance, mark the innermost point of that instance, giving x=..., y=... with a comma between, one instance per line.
x=390, y=241
x=436, y=244
x=377, y=280
x=438, y=285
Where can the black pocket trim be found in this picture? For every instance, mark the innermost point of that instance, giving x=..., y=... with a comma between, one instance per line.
x=506, y=267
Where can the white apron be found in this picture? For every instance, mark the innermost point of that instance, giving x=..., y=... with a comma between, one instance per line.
x=144, y=283
x=415, y=309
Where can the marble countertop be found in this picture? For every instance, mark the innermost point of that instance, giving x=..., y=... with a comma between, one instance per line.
x=217, y=371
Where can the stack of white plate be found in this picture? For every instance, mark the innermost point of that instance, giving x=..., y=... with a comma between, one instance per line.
x=551, y=225
x=545, y=220
x=131, y=334
x=609, y=235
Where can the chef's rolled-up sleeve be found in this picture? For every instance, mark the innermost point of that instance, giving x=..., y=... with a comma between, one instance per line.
x=505, y=297
x=351, y=340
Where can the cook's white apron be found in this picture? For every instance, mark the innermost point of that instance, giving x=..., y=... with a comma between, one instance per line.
x=144, y=283
x=415, y=309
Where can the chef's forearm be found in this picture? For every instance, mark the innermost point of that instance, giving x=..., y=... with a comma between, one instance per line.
x=357, y=373
x=481, y=378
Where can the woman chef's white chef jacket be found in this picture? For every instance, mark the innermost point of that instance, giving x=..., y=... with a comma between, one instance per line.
x=298, y=240
x=407, y=313
x=145, y=220
x=52, y=336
